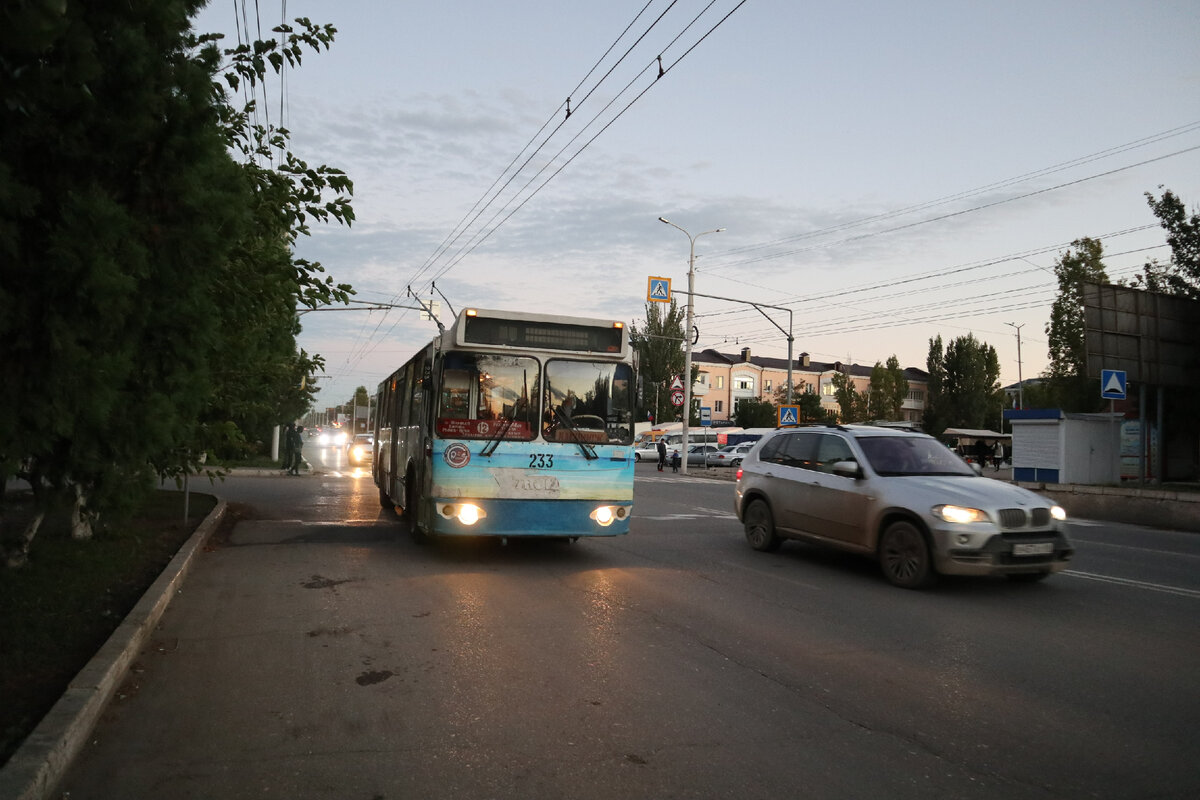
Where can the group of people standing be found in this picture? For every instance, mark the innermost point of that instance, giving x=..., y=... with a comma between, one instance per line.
x=985, y=451
x=293, y=444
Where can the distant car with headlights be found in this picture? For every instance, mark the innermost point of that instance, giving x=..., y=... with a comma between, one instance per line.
x=901, y=498
x=361, y=449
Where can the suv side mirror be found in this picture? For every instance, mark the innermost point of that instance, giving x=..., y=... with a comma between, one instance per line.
x=847, y=469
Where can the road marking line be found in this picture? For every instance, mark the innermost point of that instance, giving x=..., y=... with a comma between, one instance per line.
x=1154, y=587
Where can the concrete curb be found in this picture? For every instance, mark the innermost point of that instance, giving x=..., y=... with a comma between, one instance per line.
x=39, y=764
x=1155, y=508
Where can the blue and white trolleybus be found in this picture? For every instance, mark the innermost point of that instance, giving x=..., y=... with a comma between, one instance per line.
x=511, y=424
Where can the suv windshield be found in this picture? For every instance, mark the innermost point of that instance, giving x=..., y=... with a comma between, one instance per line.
x=902, y=455
x=588, y=402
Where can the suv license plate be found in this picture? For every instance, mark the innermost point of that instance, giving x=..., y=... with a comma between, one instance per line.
x=1036, y=549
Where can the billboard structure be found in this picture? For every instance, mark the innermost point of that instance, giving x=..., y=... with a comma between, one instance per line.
x=1155, y=339
x=1151, y=337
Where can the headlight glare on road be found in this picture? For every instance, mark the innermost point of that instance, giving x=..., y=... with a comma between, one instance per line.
x=959, y=514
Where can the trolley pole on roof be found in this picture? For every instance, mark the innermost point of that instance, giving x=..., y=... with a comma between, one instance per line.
x=687, y=338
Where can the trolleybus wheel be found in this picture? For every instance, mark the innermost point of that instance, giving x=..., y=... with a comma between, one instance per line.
x=412, y=501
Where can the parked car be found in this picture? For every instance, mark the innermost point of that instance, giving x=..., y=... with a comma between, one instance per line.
x=901, y=498
x=698, y=454
x=649, y=452
x=730, y=455
x=361, y=449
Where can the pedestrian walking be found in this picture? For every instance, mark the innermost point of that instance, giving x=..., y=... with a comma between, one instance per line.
x=289, y=446
x=662, y=454
x=998, y=454
x=297, y=446
x=982, y=453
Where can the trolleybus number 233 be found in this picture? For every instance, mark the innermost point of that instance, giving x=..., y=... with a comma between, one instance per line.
x=510, y=424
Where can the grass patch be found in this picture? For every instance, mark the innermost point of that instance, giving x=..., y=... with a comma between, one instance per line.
x=57, y=610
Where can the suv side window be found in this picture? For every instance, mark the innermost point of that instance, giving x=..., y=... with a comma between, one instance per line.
x=770, y=450
x=831, y=450
x=799, y=450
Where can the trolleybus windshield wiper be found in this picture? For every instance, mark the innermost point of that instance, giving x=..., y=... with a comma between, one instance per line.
x=521, y=404
x=588, y=452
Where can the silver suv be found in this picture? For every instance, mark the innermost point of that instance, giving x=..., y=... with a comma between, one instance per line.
x=902, y=498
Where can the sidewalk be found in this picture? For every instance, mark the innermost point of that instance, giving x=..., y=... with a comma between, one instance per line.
x=40, y=763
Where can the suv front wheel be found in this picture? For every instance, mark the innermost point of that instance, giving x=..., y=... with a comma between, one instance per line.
x=904, y=556
x=760, y=528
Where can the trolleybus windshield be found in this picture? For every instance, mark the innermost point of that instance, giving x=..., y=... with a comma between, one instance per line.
x=587, y=401
x=487, y=396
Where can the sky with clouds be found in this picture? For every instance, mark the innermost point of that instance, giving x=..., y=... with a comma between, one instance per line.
x=889, y=172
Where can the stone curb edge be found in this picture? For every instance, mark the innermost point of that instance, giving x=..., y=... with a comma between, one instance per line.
x=43, y=758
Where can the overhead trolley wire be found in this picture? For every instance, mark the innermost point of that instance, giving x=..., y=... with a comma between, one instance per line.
x=477, y=211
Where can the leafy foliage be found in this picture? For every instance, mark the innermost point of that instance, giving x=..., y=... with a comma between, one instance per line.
x=1066, y=373
x=852, y=406
x=754, y=413
x=659, y=347
x=889, y=388
x=147, y=285
x=809, y=402
x=964, y=385
x=1182, y=275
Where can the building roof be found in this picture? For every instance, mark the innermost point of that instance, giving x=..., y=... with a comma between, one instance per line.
x=710, y=356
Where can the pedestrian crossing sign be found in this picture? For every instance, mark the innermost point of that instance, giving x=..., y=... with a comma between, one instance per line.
x=788, y=415
x=1112, y=384
x=659, y=290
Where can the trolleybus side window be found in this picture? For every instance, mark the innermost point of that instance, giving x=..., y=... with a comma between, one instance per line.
x=588, y=401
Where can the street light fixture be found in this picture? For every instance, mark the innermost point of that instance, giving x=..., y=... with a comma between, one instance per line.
x=687, y=336
x=1020, y=379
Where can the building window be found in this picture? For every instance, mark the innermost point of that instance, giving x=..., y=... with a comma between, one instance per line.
x=718, y=406
x=917, y=395
x=767, y=385
x=702, y=379
x=720, y=381
x=744, y=383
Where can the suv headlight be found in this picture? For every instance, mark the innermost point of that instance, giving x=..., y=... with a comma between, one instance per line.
x=959, y=514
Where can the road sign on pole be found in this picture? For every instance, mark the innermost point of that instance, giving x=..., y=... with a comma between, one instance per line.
x=1112, y=384
x=659, y=290
x=677, y=397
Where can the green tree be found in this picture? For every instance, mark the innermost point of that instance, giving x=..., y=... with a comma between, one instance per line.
x=755, y=413
x=659, y=347
x=964, y=385
x=133, y=249
x=852, y=406
x=1067, y=370
x=889, y=388
x=1181, y=276
x=809, y=402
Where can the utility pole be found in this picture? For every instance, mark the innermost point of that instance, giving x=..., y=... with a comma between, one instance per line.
x=1020, y=380
x=687, y=338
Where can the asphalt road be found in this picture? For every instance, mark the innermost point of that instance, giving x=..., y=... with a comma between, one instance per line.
x=316, y=653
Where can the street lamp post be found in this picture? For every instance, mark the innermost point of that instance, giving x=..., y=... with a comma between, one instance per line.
x=687, y=336
x=1020, y=380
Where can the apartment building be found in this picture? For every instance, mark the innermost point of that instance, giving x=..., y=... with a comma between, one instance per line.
x=726, y=378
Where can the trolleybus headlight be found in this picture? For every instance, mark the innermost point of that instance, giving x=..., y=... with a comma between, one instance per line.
x=466, y=513
x=604, y=515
